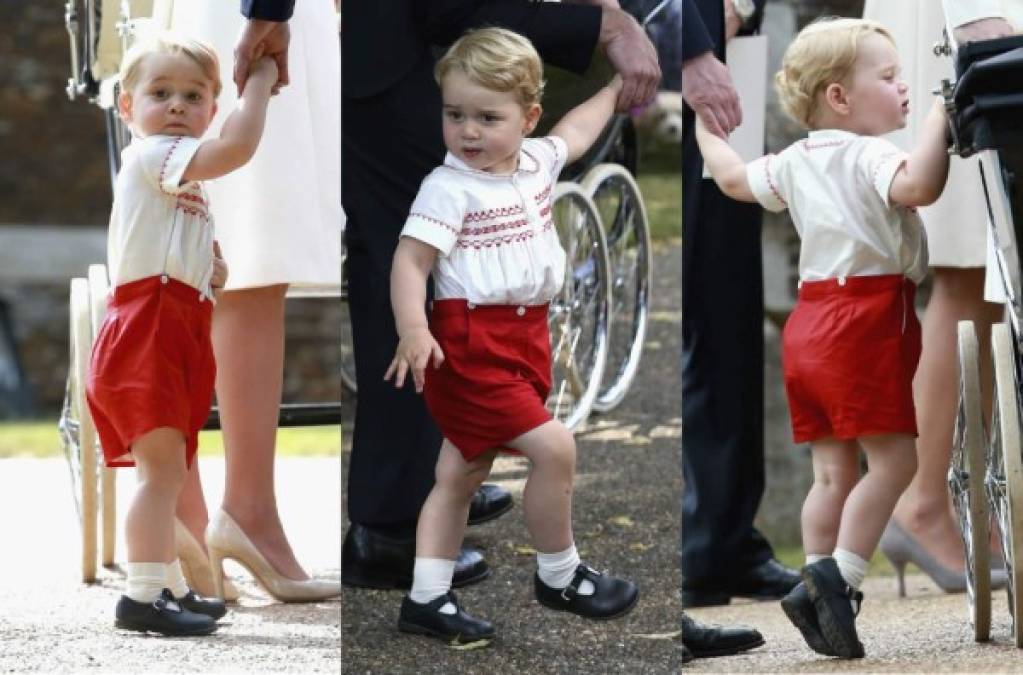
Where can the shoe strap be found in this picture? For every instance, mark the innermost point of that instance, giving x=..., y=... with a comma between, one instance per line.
x=582, y=573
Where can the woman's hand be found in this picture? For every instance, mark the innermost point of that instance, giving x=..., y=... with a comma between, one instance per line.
x=416, y=349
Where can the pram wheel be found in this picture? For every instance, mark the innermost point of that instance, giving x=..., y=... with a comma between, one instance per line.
x=615, y=194
x=579, y=317
x=99, y=286
x=77, y=433
x=1005, y=470
x=966, y=483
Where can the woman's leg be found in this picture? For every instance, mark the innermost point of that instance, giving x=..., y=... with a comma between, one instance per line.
x=248, y=341
x=191, y=507
x=891, y=463
x=836, y=471
x=925, y=510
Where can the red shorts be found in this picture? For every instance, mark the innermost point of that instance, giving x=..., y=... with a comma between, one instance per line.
x=152, y=366
x=849, y=353
x=496, y=374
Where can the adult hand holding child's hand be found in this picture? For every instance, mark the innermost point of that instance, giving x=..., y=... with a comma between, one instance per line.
x=416, y=349
x=262, y=38
x=265, y=67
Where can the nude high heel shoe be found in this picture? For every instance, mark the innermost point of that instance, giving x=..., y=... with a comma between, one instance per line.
x=900, y=548
x=225, y=539
x=196, y=566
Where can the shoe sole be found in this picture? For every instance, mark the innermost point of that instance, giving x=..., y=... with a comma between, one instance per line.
x=390, y=583
x=610, y=617
x=811, y=634
x=725, y=651
x=831, y=628
x=452, y=642
x=472, y=522
x=131, y=625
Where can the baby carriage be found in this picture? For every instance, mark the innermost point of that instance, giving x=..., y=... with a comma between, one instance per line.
x=985, y=107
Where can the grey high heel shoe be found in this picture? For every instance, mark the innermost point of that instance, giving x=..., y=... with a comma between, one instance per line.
x=900, y=548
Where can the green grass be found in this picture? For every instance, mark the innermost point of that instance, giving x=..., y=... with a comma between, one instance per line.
x=40, y=439
x=792, y=556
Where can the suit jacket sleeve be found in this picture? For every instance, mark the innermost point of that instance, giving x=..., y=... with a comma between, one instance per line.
x=696, y=39
x=565, y=35
x=268, y=10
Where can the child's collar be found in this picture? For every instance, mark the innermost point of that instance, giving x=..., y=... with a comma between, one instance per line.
x=527, y=164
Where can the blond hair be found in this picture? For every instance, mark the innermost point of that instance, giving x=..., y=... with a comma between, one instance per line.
x=170, y=43
x=823, y=53
x=496, y=59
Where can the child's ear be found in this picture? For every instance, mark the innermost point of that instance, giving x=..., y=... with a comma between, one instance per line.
x=837, y=98
x=533, y=113
x=124, y=106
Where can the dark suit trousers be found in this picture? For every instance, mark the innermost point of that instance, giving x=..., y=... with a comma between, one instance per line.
x=722, y=380
x=390, y=142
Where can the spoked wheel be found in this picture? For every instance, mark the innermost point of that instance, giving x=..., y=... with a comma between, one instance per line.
x=99, y=286
x=626, y=227
x=347, y=351
x=579, y=316
x=966, y=483
x=77, y=434
x=1005, y=470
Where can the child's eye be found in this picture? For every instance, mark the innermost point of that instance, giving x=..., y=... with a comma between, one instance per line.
x=160, y=94
x=194, y=97
x=454, y=115
x=490, y=119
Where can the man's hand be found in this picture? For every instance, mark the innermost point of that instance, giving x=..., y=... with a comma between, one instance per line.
x=982, y=29
x=633, y=57
x=733, y=22
x=707, y=89
x=415, y=351
x=262, y=38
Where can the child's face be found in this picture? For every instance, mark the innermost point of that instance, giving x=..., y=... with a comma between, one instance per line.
x=172, y=97
x=878, y=99
x=484, y=128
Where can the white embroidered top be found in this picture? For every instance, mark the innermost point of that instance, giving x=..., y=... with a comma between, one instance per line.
x=494, y=233
x=835, y=185
x=158, y=225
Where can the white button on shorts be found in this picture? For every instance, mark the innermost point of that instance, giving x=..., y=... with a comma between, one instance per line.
x=521, y=311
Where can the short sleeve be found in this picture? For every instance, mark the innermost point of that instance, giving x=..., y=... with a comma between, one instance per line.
x=879, y=161
x=763, y=174
x=436, y=214
x=550, y=151
x=165, y=158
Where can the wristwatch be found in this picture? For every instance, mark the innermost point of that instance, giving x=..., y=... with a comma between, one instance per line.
x=745, y=9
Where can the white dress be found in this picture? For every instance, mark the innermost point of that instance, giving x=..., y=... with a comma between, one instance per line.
x=952, y=240
x=279, y=217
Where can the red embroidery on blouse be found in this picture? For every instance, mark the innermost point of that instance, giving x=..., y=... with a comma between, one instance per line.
x=544, y=194
x=488, y=229
x=497, y=241
x=434, y=221
x=545, y=211
x=881, y=162
x=825, y=144
x=163, y=167
x=770, y=183
x=491, y=214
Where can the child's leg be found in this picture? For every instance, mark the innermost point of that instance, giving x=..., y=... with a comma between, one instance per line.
x=835, y=473
x=891, y=463
x=149, y=522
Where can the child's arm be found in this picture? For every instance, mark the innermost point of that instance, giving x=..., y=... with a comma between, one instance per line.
x=724, y=165
x=242, y=130
x=413, y=260
x=219, y=278
x=581, y=126
x=921, y=178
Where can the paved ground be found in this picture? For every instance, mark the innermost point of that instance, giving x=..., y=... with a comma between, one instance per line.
x=627, y=515
x=50, y=622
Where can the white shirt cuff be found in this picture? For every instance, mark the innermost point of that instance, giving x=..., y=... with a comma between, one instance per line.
x=758, y=175
x=442, y=236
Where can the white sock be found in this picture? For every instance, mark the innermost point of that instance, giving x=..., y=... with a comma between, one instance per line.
x=811, y=558
x=431, y=578
x=146, y=580
x=176, y=579
x=852, y=567
x=557, y=569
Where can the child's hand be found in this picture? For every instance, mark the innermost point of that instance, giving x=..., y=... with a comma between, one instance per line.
x=415, y=350
x=264, y=68
x=219, y=277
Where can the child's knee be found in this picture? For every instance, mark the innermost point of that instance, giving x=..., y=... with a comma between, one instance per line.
x=835, y=481
x=560, y=449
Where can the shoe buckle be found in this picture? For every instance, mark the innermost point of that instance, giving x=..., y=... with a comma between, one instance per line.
x=564, y=593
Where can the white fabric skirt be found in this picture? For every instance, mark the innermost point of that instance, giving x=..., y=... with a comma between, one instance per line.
x=957, y=223
x=278, y=218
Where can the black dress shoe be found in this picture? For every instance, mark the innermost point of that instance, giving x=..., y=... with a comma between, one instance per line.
x=489, y=502
x=705, y=641
x=165, y=616
x=769, y=580
x=211, y=607
x=611, y=598
x=798, y=607
x=460, y=630
x=370, y=559
x=837, y=605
